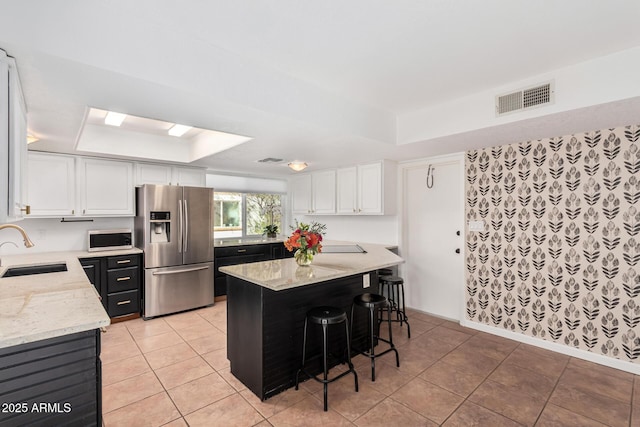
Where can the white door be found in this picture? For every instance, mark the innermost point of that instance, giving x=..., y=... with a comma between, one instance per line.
x=432, y=218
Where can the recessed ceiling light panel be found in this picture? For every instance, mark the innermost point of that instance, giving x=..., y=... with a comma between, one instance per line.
x=114, y=119
x=178, y=130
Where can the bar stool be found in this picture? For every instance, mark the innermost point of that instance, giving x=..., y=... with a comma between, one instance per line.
x=394, y=286
x=325, y=316
x=374, y=303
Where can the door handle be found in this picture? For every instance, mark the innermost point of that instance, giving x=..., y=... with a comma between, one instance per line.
x=123, y=261
x=184, y=270
x=122, y=279
x=186, y=225
x=180, y=226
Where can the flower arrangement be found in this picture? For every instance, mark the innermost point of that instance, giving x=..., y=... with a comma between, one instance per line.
x=306, y=240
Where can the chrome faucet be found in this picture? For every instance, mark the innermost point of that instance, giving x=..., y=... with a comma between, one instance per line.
x=27, y=242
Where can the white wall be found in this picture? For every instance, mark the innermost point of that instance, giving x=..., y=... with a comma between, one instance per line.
x=51, y=235
x=598, y=81
x=382, y=229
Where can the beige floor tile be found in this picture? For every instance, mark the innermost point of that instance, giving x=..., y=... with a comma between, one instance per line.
x=468, y=361
x=215, y=340
x=186, y=320
x=472, y=415
x=156, y=342
x=116, y=336
x=156, y=410
x=498, y=350
x=554, y=416
x=388, y=377
x=231, y=411
x=182, y=372
x=277, y=403
x=199, y=393
x=538, y=361
x=148, y=328
x=449, y=335
x=428, y=399
x=309, y=413
x=195, y=332
x=113, y=353
x=412, y=360
x=180, y=422
x=131, y=390
x=343, y=398
x=122, y=369
x=592, y=405
x=170, y=355
x=217, y=359
x=508, y=401
x=451, y=378
x=535, y=385
x=389, y=412
x=592, y=379
x=424, y=317
x=233, y=381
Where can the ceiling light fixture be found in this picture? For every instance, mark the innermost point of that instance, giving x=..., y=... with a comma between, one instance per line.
x=178, y=130
x=114, y=119
x=297, y=166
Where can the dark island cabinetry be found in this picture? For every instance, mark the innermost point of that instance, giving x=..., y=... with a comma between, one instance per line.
x=232, y=255
x=52, y=382
x=118, y=281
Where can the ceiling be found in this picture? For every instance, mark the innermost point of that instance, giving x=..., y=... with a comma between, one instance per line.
x=321, y=82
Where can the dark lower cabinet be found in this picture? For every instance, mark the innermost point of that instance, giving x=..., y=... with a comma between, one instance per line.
x=52, y=382
x=232, y=255
x=118, y=280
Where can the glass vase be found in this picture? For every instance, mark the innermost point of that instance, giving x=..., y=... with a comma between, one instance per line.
x=303, y=257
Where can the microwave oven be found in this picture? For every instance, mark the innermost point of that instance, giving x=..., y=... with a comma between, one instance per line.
x=109, y=240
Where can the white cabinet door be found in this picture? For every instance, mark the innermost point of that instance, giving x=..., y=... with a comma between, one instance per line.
x=106, y=187
x=347, y=191
x=153, y=174
x=189, y=177
x=370, y=189
x=323, y=185
x=301, y=194
x=52, y=185
x=13, y=142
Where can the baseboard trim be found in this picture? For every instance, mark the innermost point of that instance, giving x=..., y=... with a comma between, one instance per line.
x=559, y=348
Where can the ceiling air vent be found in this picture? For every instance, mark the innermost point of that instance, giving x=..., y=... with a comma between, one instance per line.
x=270, y=160
x=524, y=99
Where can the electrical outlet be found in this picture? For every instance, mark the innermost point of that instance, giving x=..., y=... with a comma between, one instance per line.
x=366, y=282
x=476, y=225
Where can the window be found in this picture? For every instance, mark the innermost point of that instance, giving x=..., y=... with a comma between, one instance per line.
x=245, y=214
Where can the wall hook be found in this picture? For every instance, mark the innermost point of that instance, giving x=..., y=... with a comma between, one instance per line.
x=430, y=177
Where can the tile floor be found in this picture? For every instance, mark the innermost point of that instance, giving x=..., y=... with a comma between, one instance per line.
x=173, y=371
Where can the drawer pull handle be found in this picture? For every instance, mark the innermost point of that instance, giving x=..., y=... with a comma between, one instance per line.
x=123, y=261
x=242, y=250
x=124, y=302
x=122, y=279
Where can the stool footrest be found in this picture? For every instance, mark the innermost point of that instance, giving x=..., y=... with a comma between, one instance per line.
x=329, y=380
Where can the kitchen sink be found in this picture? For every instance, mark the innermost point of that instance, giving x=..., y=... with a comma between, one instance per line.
x=28, y=270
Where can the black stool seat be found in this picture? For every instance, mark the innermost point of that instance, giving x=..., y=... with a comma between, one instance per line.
x=374, y=303
x=395, y=290
x=325, y=316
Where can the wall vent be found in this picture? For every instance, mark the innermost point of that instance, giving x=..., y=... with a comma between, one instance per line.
x=523, y=99
x=270, y=160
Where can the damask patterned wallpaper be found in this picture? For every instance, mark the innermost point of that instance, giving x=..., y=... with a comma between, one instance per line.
x=559, y=257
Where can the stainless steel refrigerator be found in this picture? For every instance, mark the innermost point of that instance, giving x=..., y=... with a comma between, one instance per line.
x=174, y=228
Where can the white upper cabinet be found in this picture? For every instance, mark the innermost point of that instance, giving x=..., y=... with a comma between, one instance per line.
x=13, y=142
x=52, y=185
x=153, y=174
x=189, y=177
x=314, y=193
x=147, y=173
x=106, y=187
x=347, y=191
x=301, y=194
x=368, y=189
x=323, y=190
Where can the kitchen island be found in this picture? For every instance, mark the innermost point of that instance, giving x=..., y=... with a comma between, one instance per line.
x=267, y=302
x=50, y=367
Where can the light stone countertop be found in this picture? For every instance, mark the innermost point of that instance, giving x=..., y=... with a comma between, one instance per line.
x=242, y=241
x=286, y=274
x=41, y=306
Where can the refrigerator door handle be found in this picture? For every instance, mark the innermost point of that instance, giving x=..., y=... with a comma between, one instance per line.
x=184, y=270
x=180, y=222
x=186, y=225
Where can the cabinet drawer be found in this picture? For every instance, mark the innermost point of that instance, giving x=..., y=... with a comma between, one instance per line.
x=122, y=279
x=122, y=261
x=123, y=303
x=242, y=250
